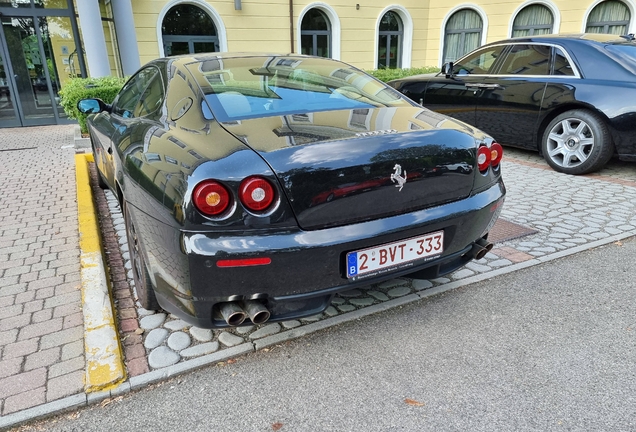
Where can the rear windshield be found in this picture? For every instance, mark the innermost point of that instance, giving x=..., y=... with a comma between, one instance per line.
x=623, y=54
x=250, y=87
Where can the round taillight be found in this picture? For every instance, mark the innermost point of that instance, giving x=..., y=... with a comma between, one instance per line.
x=483, y=158
x=211, y=198
x=256, y=193
x=496, y=153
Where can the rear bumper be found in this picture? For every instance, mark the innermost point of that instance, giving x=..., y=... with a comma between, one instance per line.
x=308, y=267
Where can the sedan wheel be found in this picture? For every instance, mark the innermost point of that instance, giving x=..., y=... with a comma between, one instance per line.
x=577, y=142
x=143, y=284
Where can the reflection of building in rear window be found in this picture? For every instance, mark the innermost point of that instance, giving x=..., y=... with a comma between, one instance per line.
x=177, y=142
x=360, y=119
x=171, y=160
x=343, y=74
x=527, y=60
x=152, y=157
x=561, y=64
x=211, y=65
x=429, y=118
x=195, y=154
x=288, y=62
x=302, y=118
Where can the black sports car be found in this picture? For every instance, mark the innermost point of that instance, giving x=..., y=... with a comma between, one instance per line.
x=224, y=166
x=570, y=97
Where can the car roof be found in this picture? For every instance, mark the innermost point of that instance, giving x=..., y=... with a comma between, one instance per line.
x=588, y=38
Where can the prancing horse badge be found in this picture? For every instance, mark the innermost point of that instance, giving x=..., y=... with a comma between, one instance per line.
x=397, y=177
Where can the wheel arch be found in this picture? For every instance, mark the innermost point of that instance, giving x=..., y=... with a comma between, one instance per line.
x=569, y=107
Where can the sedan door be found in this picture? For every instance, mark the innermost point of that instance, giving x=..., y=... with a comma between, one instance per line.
x=509, y=102
x=457, y=95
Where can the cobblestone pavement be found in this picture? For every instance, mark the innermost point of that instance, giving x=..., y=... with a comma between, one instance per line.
x=567, y=212
x=41, y=324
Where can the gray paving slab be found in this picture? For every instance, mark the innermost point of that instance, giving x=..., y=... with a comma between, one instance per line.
x=40, y=329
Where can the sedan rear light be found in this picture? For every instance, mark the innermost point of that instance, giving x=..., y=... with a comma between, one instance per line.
x=211, y=198
x=256, y=194
x=489, y=156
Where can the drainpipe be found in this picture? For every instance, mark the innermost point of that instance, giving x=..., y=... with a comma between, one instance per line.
x=291, y=24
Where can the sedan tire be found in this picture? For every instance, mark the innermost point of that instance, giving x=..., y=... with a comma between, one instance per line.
x=143, y=284
x=577, y=142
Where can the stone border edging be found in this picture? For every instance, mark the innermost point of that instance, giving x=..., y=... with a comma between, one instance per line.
x=104, y=360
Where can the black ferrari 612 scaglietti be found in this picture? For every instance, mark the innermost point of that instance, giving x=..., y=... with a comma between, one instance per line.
x=569, y=96
x=261, y=185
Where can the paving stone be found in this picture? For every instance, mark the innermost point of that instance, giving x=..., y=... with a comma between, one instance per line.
x=199, y=350
x=161, y=357
x=43, y=358
x=477, y=267
x=350, y=293
x=65, y=385
x=230, y=340
x=22, y=382
x=66, y=367
x=463, y=273
x=379, y=295
x=290, y=324
x=362, y=302
x=244, y=329
x=176, y=325
x=266, y=330
x=311, y=318
x=72, y=350
x=155, y=338
x=152, y=321
x=346, y=308
x=500, y=263
x=202, y=335
x=443, y=280
x=392, y=283
x=20, y=349
x=398, y=292
x=421, y=284
x=330, y=311
x=10, y=366
x=338, y=301
x=24, y=400
x=62, y=337
x=179, y=340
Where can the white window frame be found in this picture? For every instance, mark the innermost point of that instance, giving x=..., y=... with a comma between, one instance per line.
x=631, y=5
x=484, y=29
x=556, y=14
x=407, y=34
x=334, y=22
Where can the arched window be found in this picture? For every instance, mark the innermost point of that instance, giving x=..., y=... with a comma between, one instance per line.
x=462, y=34
x=390, y=36
x=187, y=29
x=533, y=20
x=610, y=17
x=315, y=34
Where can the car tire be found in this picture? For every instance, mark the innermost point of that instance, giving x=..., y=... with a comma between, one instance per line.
x=577, y=142
x=143, y=284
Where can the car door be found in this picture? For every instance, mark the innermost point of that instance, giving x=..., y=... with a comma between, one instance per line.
x=456, y=95
x=508, y=103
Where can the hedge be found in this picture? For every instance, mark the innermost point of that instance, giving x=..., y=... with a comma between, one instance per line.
x=105, y=88
x=391, y=74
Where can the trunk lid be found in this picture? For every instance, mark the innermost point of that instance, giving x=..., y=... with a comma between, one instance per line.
x=341, y=167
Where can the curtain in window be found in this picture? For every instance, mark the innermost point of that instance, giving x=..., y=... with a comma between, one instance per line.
x=533, y=20
x=463, y=34
x=610, y=17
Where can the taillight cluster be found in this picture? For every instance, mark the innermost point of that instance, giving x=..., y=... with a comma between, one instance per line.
x=213, y=199
x=489, y=156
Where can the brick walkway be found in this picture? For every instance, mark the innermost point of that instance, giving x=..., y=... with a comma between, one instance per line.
x=41, y=324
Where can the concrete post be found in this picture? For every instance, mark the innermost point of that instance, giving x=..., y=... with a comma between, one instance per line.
x=126, y=36
x=93, y=35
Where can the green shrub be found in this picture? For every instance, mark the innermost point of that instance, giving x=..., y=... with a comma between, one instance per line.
x=386, y=75
x=105, y=88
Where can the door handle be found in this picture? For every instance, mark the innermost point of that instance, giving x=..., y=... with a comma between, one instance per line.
x=110, y=150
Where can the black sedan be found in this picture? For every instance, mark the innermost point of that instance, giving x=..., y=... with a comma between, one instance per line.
x=226, y=166
x=570, y=97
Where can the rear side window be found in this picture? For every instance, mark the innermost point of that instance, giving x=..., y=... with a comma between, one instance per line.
x=126, y=104
x=527, y=60
x=561, y=64
x=478, y=63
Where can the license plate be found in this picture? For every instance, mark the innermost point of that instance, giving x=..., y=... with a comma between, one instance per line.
x=379, y=259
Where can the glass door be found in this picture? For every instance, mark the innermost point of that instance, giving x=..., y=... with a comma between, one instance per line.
x=31, y=67
x=8, y=113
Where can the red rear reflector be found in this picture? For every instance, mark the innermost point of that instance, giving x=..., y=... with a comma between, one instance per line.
x=243, y=262
x=211, y=198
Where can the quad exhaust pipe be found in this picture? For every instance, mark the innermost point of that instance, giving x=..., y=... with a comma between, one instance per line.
x=480, y=248
x=234, y=313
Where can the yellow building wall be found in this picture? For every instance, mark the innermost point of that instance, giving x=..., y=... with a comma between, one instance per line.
x=264, y=26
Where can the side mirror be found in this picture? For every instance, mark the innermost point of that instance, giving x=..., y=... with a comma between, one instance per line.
x=92, y=106
x=447, y=69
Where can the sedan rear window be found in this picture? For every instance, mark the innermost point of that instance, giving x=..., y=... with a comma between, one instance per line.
x=242, y=88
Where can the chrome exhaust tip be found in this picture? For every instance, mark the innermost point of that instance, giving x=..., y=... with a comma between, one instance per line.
x=233, y=314
x=257, y=311
x=481, y=247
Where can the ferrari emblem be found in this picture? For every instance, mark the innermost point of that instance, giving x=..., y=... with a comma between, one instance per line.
x=397, y=177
